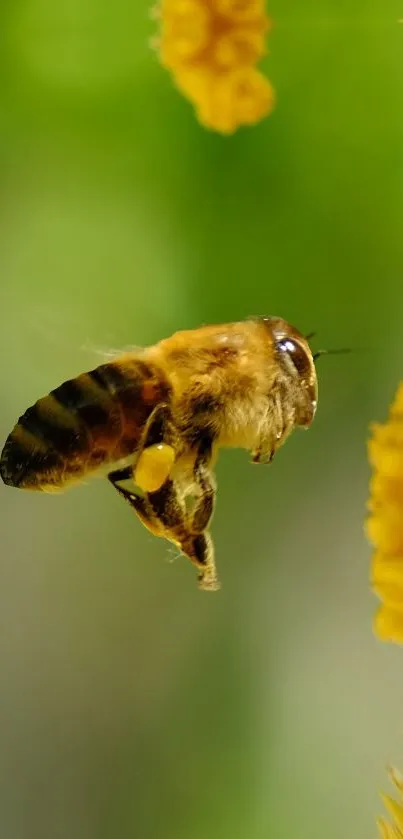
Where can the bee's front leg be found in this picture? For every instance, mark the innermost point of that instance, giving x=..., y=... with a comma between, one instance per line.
x=266, y=449
x=262, y=455
x=279, y=428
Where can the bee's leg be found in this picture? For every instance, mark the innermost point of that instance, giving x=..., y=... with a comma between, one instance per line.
x=169, y=509
x=140, y=504
x=279, y=428
x=267, y=448
x=156, y=452
x=158, y=428
x=262, y=455
x=164, y=514
x=200, y=551
x=204, y=506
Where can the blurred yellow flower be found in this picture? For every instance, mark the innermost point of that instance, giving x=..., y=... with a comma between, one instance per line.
x=385, y=523
x=393, y=830
x=211, y=48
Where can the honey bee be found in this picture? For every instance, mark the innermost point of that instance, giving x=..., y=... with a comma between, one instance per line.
x=158, y=416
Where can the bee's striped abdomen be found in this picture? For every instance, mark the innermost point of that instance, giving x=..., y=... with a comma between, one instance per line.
x=94, y=419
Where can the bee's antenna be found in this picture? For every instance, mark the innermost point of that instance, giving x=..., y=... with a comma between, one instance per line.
x=309, y=336
x=342, y=351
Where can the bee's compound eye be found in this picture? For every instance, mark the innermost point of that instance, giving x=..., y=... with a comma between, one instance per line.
x=153, y=467
x=297, y=354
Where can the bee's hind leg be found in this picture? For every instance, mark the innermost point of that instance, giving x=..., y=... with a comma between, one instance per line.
x=200, y=551
x=139, y=504
x=159, y=427
x=163, y=513
x=170, y=510
x=156, y=452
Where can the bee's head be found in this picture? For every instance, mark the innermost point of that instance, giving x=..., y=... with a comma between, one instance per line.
x=296, y=360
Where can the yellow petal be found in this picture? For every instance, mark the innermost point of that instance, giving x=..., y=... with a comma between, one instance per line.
x=195, y=83
x=397, y=778
x=387, y=580
x=240, y=10
x=385, y=448
x=185, y=32
x=388, y=625
x=391, y=594
x=211, y=49
x=386, y=489
x=388, y=569
x=237, y=48
x=242, y=97
x=395, y=809
x=385, y=530
x=387, y=831
x=397, y=405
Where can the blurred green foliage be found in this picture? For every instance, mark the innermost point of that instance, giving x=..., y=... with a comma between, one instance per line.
x=131, y=704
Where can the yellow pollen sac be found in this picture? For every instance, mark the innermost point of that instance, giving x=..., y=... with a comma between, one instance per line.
x=153, y=467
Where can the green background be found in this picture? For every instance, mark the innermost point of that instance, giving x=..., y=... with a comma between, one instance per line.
x=131, y=704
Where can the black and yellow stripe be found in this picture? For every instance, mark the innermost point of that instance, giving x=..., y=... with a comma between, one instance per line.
x=93, y=419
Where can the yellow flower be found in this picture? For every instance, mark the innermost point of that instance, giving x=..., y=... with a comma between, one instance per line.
x=385, y=523
x=211, y=48
x=387, y=829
